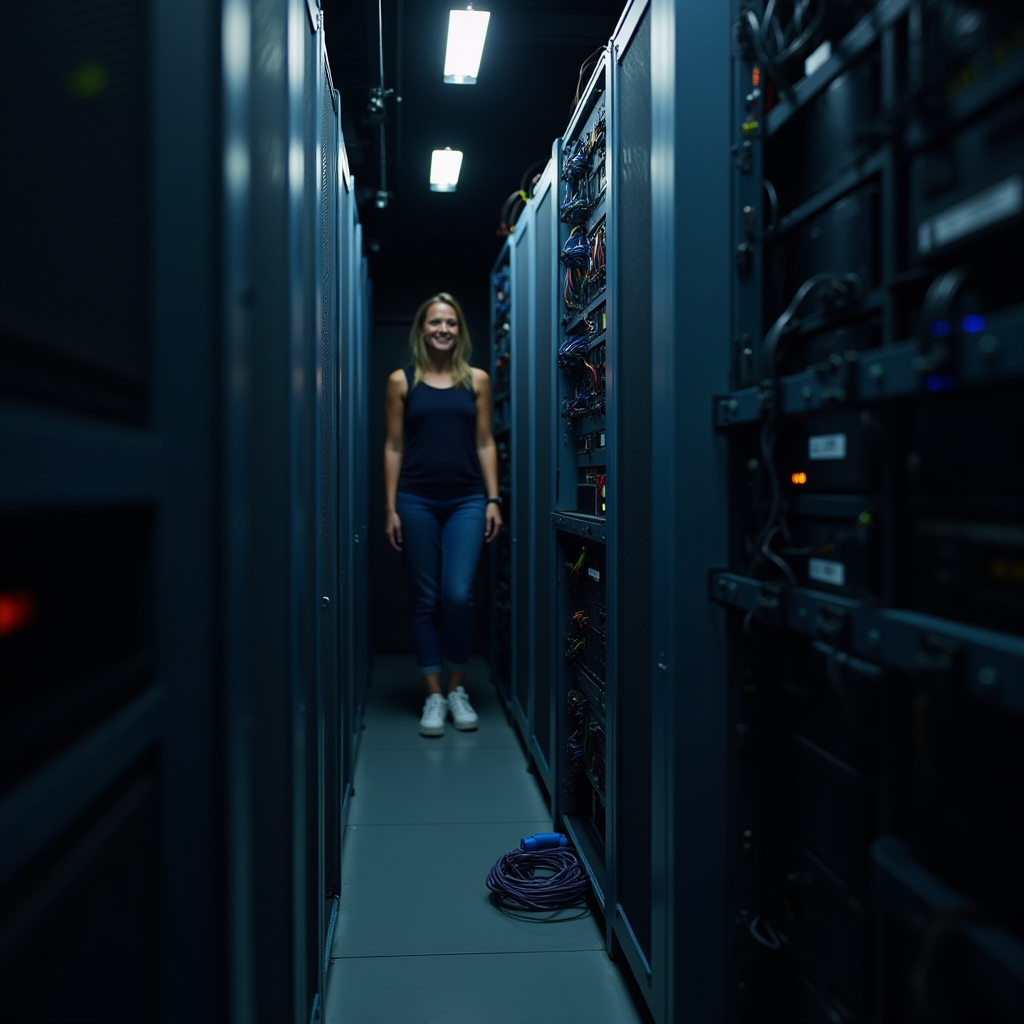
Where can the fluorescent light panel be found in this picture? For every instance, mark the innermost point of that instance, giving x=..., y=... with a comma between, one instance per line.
x=466, y=33
x=445, y=165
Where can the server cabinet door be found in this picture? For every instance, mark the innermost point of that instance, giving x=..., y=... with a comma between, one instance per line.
x=110, y=342
x=542, y=395
x=522, y=484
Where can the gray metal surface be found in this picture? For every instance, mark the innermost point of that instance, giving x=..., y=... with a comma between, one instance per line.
x=522, y=271
x=433, y=947
x=632, y=511
x=543, y=341
x=691, y=211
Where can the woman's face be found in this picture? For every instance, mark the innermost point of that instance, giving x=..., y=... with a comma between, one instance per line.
x=441, y=328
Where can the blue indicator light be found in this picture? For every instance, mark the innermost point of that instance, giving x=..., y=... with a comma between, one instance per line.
x=933, y=383
x=941, y=329
x=973, y=324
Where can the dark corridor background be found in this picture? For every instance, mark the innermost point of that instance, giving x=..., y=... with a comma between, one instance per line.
x=426, y=242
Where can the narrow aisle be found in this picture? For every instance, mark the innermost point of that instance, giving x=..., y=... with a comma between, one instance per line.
x=418, y=940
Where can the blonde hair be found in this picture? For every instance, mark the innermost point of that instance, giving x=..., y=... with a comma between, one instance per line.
x=462, y=372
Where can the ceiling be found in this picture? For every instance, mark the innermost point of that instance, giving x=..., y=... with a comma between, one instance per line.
x=425, y=241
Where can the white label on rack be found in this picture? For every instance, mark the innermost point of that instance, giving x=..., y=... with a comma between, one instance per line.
x=824, y=571
x=826, y=446
x=816, y=59
x=601, y=445
x=594, y=574
x=988, y=207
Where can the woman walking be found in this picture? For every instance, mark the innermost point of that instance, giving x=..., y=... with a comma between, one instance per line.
x=441, y=497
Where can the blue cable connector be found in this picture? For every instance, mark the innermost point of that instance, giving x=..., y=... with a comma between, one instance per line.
x=543, y=841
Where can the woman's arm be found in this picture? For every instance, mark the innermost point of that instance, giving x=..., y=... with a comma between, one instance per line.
x=394, y=419
x=486, y=450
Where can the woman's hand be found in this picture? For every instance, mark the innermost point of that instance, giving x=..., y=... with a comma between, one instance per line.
x=393, y=528
x=494, y=522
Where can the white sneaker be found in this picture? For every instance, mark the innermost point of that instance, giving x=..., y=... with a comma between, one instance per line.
x=435, y=711
x=462, y=711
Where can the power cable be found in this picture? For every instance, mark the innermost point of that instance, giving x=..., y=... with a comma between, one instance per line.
x=540, y=880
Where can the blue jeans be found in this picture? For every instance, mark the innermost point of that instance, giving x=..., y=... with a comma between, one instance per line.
x=441, y=540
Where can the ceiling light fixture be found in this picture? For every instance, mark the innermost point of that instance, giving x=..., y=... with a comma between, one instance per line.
x=466, y=33
x=445, y=165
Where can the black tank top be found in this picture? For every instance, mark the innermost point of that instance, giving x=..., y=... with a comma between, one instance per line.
x=439, y=459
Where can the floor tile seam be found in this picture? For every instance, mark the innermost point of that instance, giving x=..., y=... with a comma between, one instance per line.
x=474, y=953
x=369, y=746
x=444, y=824
x=437, y=743
x=428, y=742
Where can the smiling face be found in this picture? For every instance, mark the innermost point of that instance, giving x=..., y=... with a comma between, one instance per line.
x=441, y=328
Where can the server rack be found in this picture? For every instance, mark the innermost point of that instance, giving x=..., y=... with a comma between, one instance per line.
x=876, y=505
x=171, y=749
x=601, y=516
x=583, y=432
x=590, y=363
x=501, y=558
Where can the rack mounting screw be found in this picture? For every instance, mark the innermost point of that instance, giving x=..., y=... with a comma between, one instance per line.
x=874, y=638
x=876, y=371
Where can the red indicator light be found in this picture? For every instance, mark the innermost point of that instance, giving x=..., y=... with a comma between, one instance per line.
x=17, y=611
x=799, y=478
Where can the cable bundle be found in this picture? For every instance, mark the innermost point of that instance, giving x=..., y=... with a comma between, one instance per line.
x=514, y=879
x=576, y=258
x=583, y=403
x=576, y=638
x=578, y=711
x=597, y=254
x=574, y=353
x=500, y=284
x=837, y=291
x=789, y=30
x=576, y=346
x=576, y=252
x=578, y=203
x=589, y=398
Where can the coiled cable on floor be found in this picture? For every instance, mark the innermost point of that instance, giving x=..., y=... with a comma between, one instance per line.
x=515, y=878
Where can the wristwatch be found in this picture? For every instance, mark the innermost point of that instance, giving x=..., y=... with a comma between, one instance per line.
x=497, y=501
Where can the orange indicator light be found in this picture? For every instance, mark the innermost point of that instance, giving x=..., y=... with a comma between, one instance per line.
x=17, y=611
x=799, y=478
x=756, y=77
